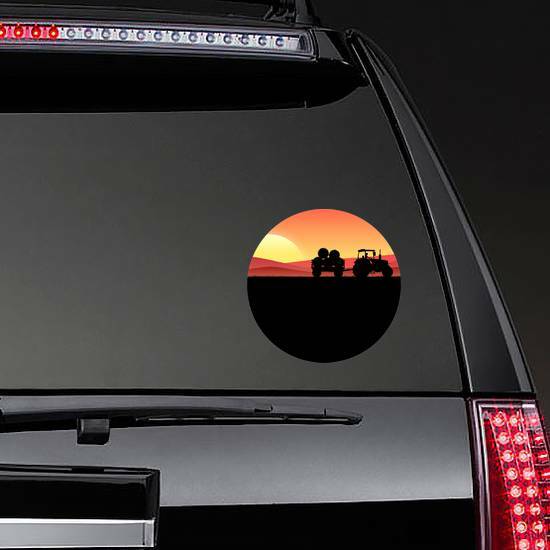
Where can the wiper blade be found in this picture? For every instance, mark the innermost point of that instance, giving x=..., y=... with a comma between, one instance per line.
x=14, y=409
x=98, y=413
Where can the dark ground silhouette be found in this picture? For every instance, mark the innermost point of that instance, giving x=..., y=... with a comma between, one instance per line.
x=326, y=319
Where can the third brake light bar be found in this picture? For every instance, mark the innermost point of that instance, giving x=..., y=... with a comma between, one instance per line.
x=101, y=36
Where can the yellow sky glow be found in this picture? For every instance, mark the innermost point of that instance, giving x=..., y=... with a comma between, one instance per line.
x=278, y=248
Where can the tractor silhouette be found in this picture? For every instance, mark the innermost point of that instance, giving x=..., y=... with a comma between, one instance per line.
x=328, y=262
x=365, y=265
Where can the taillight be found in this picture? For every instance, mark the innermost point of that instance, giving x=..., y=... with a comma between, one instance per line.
x=515, y=475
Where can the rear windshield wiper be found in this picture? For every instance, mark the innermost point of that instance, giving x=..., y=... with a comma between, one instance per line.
x=94, y=415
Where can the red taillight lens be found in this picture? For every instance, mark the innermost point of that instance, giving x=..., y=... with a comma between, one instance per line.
x=515, y=468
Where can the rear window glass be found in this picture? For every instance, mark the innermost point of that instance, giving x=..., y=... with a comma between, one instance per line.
x=127, y=242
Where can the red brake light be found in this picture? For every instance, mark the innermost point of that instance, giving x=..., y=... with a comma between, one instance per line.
x=18, y=31
x=53, y=32
x=515, y=475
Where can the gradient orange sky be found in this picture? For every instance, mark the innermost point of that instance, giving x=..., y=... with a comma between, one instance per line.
x=299, y=237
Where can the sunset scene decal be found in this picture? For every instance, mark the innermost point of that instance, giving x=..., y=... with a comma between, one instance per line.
x=324, y=285
x=289, y=248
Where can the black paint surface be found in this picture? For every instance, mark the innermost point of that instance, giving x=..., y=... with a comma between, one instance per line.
x=400, y=524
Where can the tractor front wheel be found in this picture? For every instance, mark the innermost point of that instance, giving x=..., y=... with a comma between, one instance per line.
x=387, y=272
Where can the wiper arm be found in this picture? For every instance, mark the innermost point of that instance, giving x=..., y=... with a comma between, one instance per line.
x=96, y=414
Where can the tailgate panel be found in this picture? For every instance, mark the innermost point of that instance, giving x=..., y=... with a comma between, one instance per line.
x=404, y=449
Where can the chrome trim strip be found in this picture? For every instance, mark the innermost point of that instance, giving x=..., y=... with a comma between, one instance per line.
x=481, y=474
x=76, y=533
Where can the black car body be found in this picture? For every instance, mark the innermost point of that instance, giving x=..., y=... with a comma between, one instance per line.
x=141, y=406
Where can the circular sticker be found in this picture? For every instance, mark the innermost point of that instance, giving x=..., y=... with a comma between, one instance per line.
x=324, y=285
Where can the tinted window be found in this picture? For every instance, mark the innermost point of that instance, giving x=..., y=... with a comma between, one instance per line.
x=126, y=241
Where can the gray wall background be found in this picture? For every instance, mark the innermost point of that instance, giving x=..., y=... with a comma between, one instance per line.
x=479, y=75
